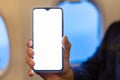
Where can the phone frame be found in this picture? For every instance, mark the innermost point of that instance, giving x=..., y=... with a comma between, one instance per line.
x=49, y=71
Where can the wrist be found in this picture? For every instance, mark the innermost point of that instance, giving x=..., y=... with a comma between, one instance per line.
x=69, y=75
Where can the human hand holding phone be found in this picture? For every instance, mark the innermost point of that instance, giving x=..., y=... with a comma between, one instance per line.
x=66, y=74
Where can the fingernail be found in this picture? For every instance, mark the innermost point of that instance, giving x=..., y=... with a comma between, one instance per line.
x=30, y=43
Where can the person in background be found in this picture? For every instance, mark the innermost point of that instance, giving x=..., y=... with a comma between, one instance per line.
x=103, y=65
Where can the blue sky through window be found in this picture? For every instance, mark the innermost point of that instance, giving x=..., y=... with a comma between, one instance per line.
x=4, y=46
x=81, y=25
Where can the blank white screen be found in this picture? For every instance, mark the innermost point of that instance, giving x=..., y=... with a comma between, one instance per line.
x=47, y=36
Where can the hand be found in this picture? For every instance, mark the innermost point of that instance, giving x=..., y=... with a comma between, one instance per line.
x=67, y=73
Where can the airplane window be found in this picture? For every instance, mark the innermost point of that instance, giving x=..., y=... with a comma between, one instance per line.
x=4, y=47
x=82, y=26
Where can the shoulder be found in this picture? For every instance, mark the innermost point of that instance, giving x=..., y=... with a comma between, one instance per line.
x=114, y=29
x=112, y=33
x=115, y=26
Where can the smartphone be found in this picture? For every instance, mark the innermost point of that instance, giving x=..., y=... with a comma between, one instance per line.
x=47, y=36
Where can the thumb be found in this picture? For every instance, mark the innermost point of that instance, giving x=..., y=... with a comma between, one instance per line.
x=66, y=46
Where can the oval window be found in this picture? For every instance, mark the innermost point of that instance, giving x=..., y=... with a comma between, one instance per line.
x=82, y=26
x=4, y=47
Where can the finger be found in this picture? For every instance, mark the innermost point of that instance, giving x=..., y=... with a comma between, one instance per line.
x=31, y=72
x=30, y=52
x=66, y=43
x=66, y=46
x=29, y=43
x=30, y=62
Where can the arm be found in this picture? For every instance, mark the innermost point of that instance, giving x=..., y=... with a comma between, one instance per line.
x=89, y=69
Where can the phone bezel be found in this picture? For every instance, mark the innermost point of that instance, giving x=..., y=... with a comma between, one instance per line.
x=48, y=71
